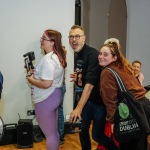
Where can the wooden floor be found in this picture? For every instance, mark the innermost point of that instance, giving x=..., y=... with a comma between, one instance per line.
x=71, y=143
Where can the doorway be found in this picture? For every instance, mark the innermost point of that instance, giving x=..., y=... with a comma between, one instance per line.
x=117, y=22
x=78, y=12
x=104, y=19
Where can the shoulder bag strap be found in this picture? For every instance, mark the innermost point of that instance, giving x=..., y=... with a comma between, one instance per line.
x=120, y=83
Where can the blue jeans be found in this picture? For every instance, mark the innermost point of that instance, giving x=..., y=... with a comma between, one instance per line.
x=97, y=114
x=61, y=115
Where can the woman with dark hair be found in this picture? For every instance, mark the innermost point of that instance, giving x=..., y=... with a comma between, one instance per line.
x=46, y=84
x=110, y=56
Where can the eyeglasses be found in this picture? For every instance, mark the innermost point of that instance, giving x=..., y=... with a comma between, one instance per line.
x=43, y=38
x=77, y=37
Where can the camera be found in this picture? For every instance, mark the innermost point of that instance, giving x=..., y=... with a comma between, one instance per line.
x=30, y=55
x=28, y=59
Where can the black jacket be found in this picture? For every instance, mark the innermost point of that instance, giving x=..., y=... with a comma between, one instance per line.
x=90, y=71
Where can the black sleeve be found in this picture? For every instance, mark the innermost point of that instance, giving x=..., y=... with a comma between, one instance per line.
x=93, y=67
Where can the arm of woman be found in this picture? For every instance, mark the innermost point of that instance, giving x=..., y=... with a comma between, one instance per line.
x=141, y=78
x=43, y=75
x=108, y=91
x=40, y=83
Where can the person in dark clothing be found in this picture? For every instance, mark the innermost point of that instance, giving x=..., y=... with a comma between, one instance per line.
x=90, y=106
x=1, y=83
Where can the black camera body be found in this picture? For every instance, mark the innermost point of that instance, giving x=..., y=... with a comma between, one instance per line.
x=29, y=57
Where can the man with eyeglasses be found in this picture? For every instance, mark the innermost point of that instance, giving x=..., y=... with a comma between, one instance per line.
x=90, y=106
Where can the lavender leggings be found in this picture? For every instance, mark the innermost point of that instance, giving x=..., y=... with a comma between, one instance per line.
x=47, y=115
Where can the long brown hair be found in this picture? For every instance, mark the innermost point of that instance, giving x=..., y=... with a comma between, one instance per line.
x=56, y=36
x=121, y=61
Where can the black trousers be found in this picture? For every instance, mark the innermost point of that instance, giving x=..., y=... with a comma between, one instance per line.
x=136, y=144
x=97, y=114
x=146, y=105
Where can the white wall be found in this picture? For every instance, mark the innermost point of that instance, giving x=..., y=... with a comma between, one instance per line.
x=22, y=25
x=138, y=34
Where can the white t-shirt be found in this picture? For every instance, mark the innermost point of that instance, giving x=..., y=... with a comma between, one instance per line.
x=49, y=68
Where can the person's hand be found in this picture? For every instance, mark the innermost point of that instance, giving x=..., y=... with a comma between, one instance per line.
x=73, y=77
x=30, y=78
x=112, y=128
x=79, y=80
x=31, y=71
x=75, y=114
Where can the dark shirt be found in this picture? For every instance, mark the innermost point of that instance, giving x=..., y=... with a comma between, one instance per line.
x=90, y=71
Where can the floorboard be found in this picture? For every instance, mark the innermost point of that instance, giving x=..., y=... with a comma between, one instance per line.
x=71, y=143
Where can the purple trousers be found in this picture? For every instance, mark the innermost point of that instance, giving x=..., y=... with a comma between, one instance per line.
x=47, y=116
